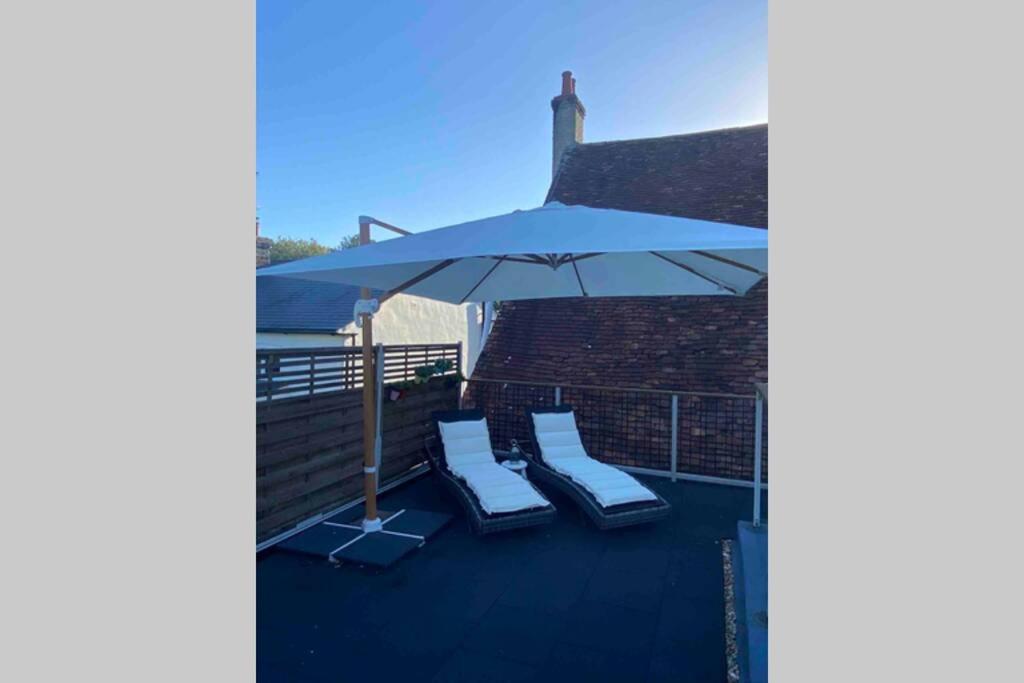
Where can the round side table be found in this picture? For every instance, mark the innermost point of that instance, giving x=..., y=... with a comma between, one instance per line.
x=517, y=466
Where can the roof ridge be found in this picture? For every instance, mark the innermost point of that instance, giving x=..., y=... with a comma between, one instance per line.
x=666, y=137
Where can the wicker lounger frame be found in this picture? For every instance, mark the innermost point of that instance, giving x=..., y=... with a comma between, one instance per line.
x=603, y=518
x=480, y=521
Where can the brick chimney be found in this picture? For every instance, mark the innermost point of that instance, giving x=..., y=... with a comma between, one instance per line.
x=568, y=120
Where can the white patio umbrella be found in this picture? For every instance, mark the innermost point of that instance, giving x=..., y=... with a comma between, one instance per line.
x=552, y=251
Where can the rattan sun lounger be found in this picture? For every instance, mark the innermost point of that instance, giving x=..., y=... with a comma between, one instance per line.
x=480, y=521
x=603, y=517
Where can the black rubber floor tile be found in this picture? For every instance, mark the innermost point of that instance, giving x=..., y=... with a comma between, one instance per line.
x=681, y=668
x=640, y=590
x=525, y=635
x=611, y=628
x=692, y=627
x=571, y=663
x=476, y=667
x=550, y=591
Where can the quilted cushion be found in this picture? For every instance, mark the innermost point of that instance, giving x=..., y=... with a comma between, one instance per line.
x=557, y=435
x=466, y=442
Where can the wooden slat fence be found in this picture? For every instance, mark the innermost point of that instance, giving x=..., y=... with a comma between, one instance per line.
x=309, y=448
x=400, y=362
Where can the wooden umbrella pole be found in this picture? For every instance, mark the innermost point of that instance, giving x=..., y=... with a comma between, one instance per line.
x=369, y=418
x=371, y=523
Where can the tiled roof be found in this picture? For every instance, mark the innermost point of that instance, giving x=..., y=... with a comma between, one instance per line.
x=285, y=304
x=717, y=344
x=719, y=175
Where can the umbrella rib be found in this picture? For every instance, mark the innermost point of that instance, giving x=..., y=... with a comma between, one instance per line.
x=578, y=278
x=531, y=261
x=588, y=255
x=418, y=279
x=695, y=272
x=487, y=275
x=540, y=260
x=735, y=264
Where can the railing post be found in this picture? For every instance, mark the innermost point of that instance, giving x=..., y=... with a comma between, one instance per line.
x=378, y=362
x=312, y=372
x=461, y=388
x=270, y=377
x=558, y=396
x=758, y=420
x=675, y=436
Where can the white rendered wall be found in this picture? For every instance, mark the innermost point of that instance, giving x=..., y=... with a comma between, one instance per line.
x=403, y=319
x=406, y=319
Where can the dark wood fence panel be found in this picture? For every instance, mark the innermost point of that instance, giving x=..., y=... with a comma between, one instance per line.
x=407, y=423
x=309, y=449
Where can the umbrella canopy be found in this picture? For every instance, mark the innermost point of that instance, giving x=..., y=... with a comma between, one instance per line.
x=552, y=251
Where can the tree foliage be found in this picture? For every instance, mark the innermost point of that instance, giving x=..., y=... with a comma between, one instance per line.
x=289, y=249
x=350, y=242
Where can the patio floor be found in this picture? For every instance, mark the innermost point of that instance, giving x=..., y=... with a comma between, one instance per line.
x=558, y=603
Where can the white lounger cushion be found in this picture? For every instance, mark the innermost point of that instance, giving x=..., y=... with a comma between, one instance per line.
x=466, y=442
x=467, y=448
x=563, y=451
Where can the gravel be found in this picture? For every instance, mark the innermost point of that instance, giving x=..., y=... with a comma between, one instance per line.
x=731, y=652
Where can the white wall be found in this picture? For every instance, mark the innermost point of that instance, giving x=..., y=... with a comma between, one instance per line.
x=274, y=340
x=407, y=319
x=403, y=319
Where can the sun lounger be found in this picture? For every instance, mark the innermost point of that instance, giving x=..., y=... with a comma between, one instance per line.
x=610, y=497
x=495, y=498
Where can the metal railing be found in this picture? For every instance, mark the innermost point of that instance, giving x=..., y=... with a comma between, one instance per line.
x=760, y=444
x=683, y=434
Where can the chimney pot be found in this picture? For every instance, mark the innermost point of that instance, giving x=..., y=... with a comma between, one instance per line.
x=568, y=83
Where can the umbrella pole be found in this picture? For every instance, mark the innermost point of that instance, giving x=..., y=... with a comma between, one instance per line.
x=371, y=522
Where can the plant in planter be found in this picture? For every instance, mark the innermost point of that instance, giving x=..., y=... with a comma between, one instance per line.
x=422, y=375
x=398, y=390
x=452, y=380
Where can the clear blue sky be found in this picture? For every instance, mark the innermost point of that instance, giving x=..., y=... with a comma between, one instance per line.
x=425, y=114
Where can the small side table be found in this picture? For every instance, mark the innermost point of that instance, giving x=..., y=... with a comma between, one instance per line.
x=517, y=466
